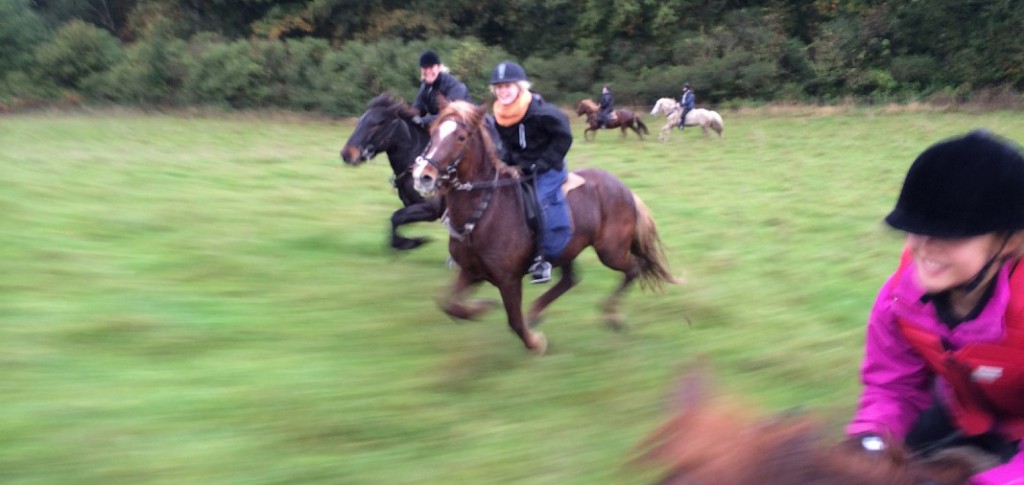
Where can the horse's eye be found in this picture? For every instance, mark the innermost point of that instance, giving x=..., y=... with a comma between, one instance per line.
x=462, y=137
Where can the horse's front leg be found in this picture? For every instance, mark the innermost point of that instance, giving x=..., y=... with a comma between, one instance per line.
x=512, y=297
x=456, y=305
x=429, y=210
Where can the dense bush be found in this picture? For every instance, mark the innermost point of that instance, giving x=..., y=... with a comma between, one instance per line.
x=77, y=51
x=317, y=56
x=21, y=30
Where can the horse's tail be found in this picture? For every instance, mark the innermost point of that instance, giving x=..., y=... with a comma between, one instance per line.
x=642, y=126
x=717, y=124
x=647, y=249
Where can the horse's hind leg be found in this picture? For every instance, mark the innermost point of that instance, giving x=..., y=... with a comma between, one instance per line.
x=567, y=281
x=456, y=305
x=610, y=308
x=617, y=258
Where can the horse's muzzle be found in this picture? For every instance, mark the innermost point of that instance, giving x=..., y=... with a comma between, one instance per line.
x=353, y=155
x=424, y=177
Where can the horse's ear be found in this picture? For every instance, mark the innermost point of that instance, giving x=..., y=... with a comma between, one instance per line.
x=480, y=110
x=442, y=101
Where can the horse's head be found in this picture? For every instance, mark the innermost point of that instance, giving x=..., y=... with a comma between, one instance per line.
x=718, y=441
x=664, y=106
x=458, y=145
x=586, y=107
x=385, y=122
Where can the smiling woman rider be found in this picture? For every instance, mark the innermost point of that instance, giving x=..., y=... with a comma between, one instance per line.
x=944, y=355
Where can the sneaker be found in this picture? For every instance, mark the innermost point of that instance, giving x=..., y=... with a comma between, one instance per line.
x=540, y=271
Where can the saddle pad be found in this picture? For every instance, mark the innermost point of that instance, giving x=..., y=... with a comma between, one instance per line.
x=571, y=182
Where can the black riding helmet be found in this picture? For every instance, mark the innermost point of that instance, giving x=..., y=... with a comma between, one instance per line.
x=507, y=72
x=962, y=187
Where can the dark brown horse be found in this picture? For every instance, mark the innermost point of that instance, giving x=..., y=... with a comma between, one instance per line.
x=721, y=443
x=622, y=119
x=490, y=239
x=387, y=126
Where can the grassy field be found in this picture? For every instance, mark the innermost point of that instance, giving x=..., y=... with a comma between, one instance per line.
x=209, y=299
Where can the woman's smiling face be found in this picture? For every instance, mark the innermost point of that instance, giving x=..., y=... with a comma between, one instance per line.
x=944, y=263
x=506, y=92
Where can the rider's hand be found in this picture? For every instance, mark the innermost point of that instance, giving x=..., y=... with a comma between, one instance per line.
x=419, y=120
x=868, y=443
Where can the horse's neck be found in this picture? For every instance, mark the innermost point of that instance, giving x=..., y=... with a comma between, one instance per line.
x=407, y=142
x=477, y=170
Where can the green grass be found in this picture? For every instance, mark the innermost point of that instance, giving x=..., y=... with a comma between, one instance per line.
x=210, y=300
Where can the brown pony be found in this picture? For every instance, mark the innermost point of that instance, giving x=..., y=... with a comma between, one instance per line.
x=621, y=119
x=717, y=443
x=491, y=241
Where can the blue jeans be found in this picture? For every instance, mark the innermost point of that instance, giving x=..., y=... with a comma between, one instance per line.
x=556, y=228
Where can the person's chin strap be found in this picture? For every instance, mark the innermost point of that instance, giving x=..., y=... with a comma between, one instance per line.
x=976, y=281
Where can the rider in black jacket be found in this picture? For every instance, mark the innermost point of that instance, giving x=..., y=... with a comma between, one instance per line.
x=536, y=136
x=436, y=79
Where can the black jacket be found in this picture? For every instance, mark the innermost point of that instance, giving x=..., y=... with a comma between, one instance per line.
x=540, y=140
x=446, y=84
x=606, y=102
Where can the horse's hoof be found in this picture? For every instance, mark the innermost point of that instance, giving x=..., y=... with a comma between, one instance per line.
x=616, y=322
x=539, y=344
x=405, y=244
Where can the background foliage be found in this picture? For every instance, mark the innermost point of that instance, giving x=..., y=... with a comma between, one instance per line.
x=242, y=53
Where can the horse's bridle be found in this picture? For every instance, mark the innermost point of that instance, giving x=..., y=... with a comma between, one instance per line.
x=450, y=174
x=386, y=139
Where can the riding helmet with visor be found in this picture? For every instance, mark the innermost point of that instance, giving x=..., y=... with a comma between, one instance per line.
x=507, y=72
x=962, y=187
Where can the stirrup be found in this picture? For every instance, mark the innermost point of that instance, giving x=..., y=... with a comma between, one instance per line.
x=540, y=271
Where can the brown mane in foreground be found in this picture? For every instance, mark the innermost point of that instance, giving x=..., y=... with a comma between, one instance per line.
x=715, y=444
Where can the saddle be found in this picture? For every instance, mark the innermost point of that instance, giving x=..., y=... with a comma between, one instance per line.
x=532, y=209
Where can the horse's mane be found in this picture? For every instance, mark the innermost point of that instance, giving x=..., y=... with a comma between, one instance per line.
x=725, y=444
x=392, y=104
x=472, y=115
x=589, y=104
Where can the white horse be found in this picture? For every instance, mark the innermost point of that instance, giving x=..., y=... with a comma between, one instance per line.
x=704, y=118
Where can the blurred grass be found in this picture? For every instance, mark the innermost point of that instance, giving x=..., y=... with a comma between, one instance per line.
x=210, y=300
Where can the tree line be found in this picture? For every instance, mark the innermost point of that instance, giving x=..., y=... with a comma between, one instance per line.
x=332, y=56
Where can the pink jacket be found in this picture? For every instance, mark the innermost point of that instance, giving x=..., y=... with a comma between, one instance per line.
x=896, y=380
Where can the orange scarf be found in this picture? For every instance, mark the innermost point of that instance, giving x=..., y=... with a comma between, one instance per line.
x=510, y=114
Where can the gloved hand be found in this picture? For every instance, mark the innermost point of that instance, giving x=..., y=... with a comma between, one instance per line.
x=418, y=120
x=869, y=444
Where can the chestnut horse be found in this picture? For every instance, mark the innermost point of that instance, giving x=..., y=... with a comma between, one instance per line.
x=491, y=240
x=621, y=119
x=720, y=443
x=387, y=126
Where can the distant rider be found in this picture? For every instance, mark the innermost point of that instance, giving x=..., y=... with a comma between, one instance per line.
x=686, y=102
x=604, y=112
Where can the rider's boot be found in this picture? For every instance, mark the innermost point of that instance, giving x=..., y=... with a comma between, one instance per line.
x=540, y=270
